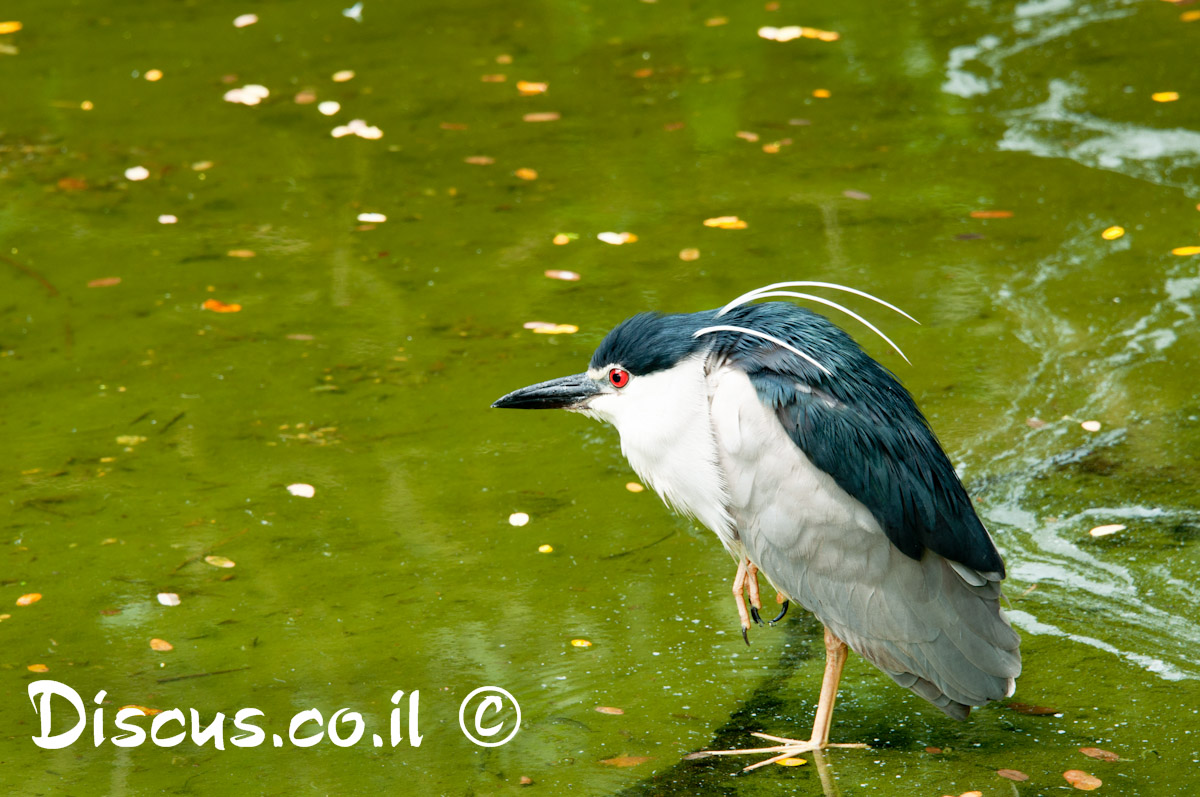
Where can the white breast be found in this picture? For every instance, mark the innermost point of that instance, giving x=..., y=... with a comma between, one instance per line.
x=666, y=435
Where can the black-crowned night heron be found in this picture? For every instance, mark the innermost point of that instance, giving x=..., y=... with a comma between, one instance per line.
x=813, y=466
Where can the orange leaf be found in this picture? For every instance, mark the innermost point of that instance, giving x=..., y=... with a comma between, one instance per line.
x=689, y=254
x=161, y=645
x=1165, y=96
x=240, y=253
x=529, y=88
x=1186, y=250
x=479, y=160
x=526, y=174
x=104, y=282
x=10, y=27
x=626, y=760
x=610, y=710
x=149, y=712
x=542, y=116
x=1012, y=774
x=38, y=668
x=1082, y=780
x=991, y=214
x=26, y=600
x=72, y=184
x=559, y=274
x=220, y=307
x=822, y=94
x=1096, y=752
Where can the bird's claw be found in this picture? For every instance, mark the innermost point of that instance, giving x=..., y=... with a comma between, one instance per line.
x=782, y=612
x=754, y=615
x=746, y=635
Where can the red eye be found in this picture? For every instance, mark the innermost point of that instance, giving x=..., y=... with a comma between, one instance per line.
x=618, y=377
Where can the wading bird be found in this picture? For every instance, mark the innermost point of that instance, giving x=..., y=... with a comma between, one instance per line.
x=813, y=466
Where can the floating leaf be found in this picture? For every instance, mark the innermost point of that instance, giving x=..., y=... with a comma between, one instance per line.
x=494, y=78
x=301, y=490
x=1190, y=16
x=130, y=439
x=168, y=598
x=149, y=712
x=556, y=329
x=29, y=599
x=526, y=174
x=1096, y=752
x=137, y=173
x=1104, y=531
x=746, y=135
x=626, y=760
x=10, y=27
x=220, y=561
x=1112, y=233
x=822, y=94
x=479, y=160
x=933, y=750
x=245, y=20
x=991, y=214
x=357, y=127
x=545, y=549
x=1090, y=426
x=38, y=668
x=1035, y=423
x=791, y=762
x=72, y=184
x=218, y=306
x=852, y=194
x=1035, y=711
x=542, y=116
x=529, y=88
x=153, y=75
x=168, y=218
x=1082, y=780
x=1012, y=774
x=240, y=253
x=1165, y=96
x=161, y=645
x=564, y=238
x=610, y=710
x=250, y=94
x=634, y=487
x=1186, y=250
x=689, y=254
x=372, y=218
x=559, y=274
x=726, y=223
x=716, y=22
x=104, y=282
x=343, y=75
x=617, y=238
x=329, y=107
x=518, y=519
x=580, y=643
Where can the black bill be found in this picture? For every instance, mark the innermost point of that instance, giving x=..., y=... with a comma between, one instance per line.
x=564, y=393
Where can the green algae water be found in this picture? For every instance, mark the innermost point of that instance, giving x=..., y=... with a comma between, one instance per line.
x=208, y=308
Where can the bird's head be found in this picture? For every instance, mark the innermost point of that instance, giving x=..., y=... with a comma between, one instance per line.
x=636, y=371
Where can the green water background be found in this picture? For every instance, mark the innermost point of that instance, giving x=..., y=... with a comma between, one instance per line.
x=363, y=362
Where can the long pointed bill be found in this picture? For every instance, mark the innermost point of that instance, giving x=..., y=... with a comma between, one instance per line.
x=564, y=393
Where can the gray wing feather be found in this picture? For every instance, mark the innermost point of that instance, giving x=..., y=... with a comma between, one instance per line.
x=933, y=625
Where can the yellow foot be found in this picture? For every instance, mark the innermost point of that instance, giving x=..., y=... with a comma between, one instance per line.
x=787, y=748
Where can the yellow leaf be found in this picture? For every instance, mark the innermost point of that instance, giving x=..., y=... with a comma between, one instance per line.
x=220, y=561
x=581, y=643
x=38, y=668
x=1186, y=250
x=1165, y=96
x=1112, y=233
x=161, y=645
x=30, y=598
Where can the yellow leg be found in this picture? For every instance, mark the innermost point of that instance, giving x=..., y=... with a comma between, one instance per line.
x=835, y=660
